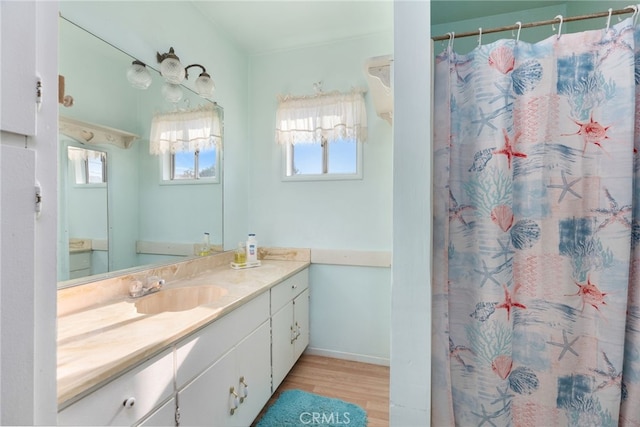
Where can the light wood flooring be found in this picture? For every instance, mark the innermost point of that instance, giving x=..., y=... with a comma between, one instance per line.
x=364, y=384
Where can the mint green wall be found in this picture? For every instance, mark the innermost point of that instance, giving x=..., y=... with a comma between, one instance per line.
x=350, y=214
x=351, y=312
x=135, y=176
x=576, y=8
x=350, y=306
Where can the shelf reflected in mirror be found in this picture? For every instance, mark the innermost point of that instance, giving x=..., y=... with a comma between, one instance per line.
x=146, y=220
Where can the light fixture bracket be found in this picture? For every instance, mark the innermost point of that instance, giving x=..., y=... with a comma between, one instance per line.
x=171, y=54
x=186, y=70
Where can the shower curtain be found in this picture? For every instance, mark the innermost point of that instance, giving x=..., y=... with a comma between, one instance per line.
x=536, y=296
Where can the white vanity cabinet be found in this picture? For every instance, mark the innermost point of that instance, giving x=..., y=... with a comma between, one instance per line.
x=126, y=399
x=163, y=417
x=221, y=374
x=289, y=324
x=79, y=264
x=224, y=371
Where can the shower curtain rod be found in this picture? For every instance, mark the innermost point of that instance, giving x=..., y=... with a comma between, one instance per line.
x=516, y=26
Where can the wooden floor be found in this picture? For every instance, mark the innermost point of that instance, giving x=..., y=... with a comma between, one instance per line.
x=364, y=384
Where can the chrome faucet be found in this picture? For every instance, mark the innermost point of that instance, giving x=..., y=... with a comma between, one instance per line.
x=152, y=284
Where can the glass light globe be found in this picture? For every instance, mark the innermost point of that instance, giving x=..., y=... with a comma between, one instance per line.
x=171, y=92
x=205, y=85
x=172, y=70
x=138, y=75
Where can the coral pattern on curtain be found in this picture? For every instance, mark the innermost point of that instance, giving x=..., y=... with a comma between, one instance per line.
x=536, y=295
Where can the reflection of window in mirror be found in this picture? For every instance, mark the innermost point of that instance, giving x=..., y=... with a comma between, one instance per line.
x=200, y=165
x=88, y=166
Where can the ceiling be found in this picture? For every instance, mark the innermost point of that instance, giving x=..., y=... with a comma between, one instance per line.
x=260, y=26
x=264, y=26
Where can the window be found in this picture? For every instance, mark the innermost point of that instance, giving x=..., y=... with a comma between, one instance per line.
x=322, y=135
x=87, y=166
x=185, y=166
x=337, y=158
x=189, y=143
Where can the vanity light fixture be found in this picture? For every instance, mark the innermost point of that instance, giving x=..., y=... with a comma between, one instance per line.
x=138, y=75
x=170, y=67
x=172, y=70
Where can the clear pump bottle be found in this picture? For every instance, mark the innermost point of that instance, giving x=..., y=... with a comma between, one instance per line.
x=206, y=245
x=240, y=257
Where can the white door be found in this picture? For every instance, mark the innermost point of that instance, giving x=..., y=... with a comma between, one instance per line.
x=17, y=219
x=18, y=78
x=28, y=152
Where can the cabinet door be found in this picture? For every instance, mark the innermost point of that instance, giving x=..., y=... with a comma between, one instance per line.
x=282, y=344
x=206, y=401
x=163, y=416
x=18, y=77
x=254, y=367
x=300, y=323
x=203, y=348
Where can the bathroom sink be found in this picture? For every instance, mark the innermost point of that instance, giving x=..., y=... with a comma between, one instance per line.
x=179, y=299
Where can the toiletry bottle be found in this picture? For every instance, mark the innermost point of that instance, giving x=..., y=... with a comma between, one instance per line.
x=240, y=257
x=206, y=245
x=252, y=248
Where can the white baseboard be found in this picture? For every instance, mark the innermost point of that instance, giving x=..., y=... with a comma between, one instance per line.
x=347, y=356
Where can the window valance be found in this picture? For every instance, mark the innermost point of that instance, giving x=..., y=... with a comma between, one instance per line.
x=331, y=116
x=191, y=130
x=81, y=154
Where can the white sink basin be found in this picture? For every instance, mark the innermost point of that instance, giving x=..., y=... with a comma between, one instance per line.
x=179, y=299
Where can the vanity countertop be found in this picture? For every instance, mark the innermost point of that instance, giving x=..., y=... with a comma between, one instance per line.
x=97, y=343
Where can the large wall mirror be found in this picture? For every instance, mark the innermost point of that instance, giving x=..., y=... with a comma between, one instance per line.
x=131, y=215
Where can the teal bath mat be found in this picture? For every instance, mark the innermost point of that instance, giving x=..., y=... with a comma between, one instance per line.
x=298, y=408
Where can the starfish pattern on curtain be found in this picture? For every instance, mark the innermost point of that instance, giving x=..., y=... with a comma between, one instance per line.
x=536, y=286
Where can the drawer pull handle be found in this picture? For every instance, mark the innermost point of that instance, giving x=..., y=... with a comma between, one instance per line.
x=294, y=286
x=234, y=402
x=128, y=403
x=244, y=390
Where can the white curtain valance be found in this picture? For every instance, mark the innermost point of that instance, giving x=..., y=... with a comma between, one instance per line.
x=192, y=130
x=333, y=115
x=81, y=154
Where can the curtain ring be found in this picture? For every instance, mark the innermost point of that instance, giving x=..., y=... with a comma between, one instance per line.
x=519, y=24
x=452, y=36
x=635, y=12
x=479, y=36
x=559, y=26
x=609, y=19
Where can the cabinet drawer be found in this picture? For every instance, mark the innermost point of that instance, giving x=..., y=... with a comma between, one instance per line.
x=289, y=289
x=203, y=348
x=149, y=384
x=79, y=261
